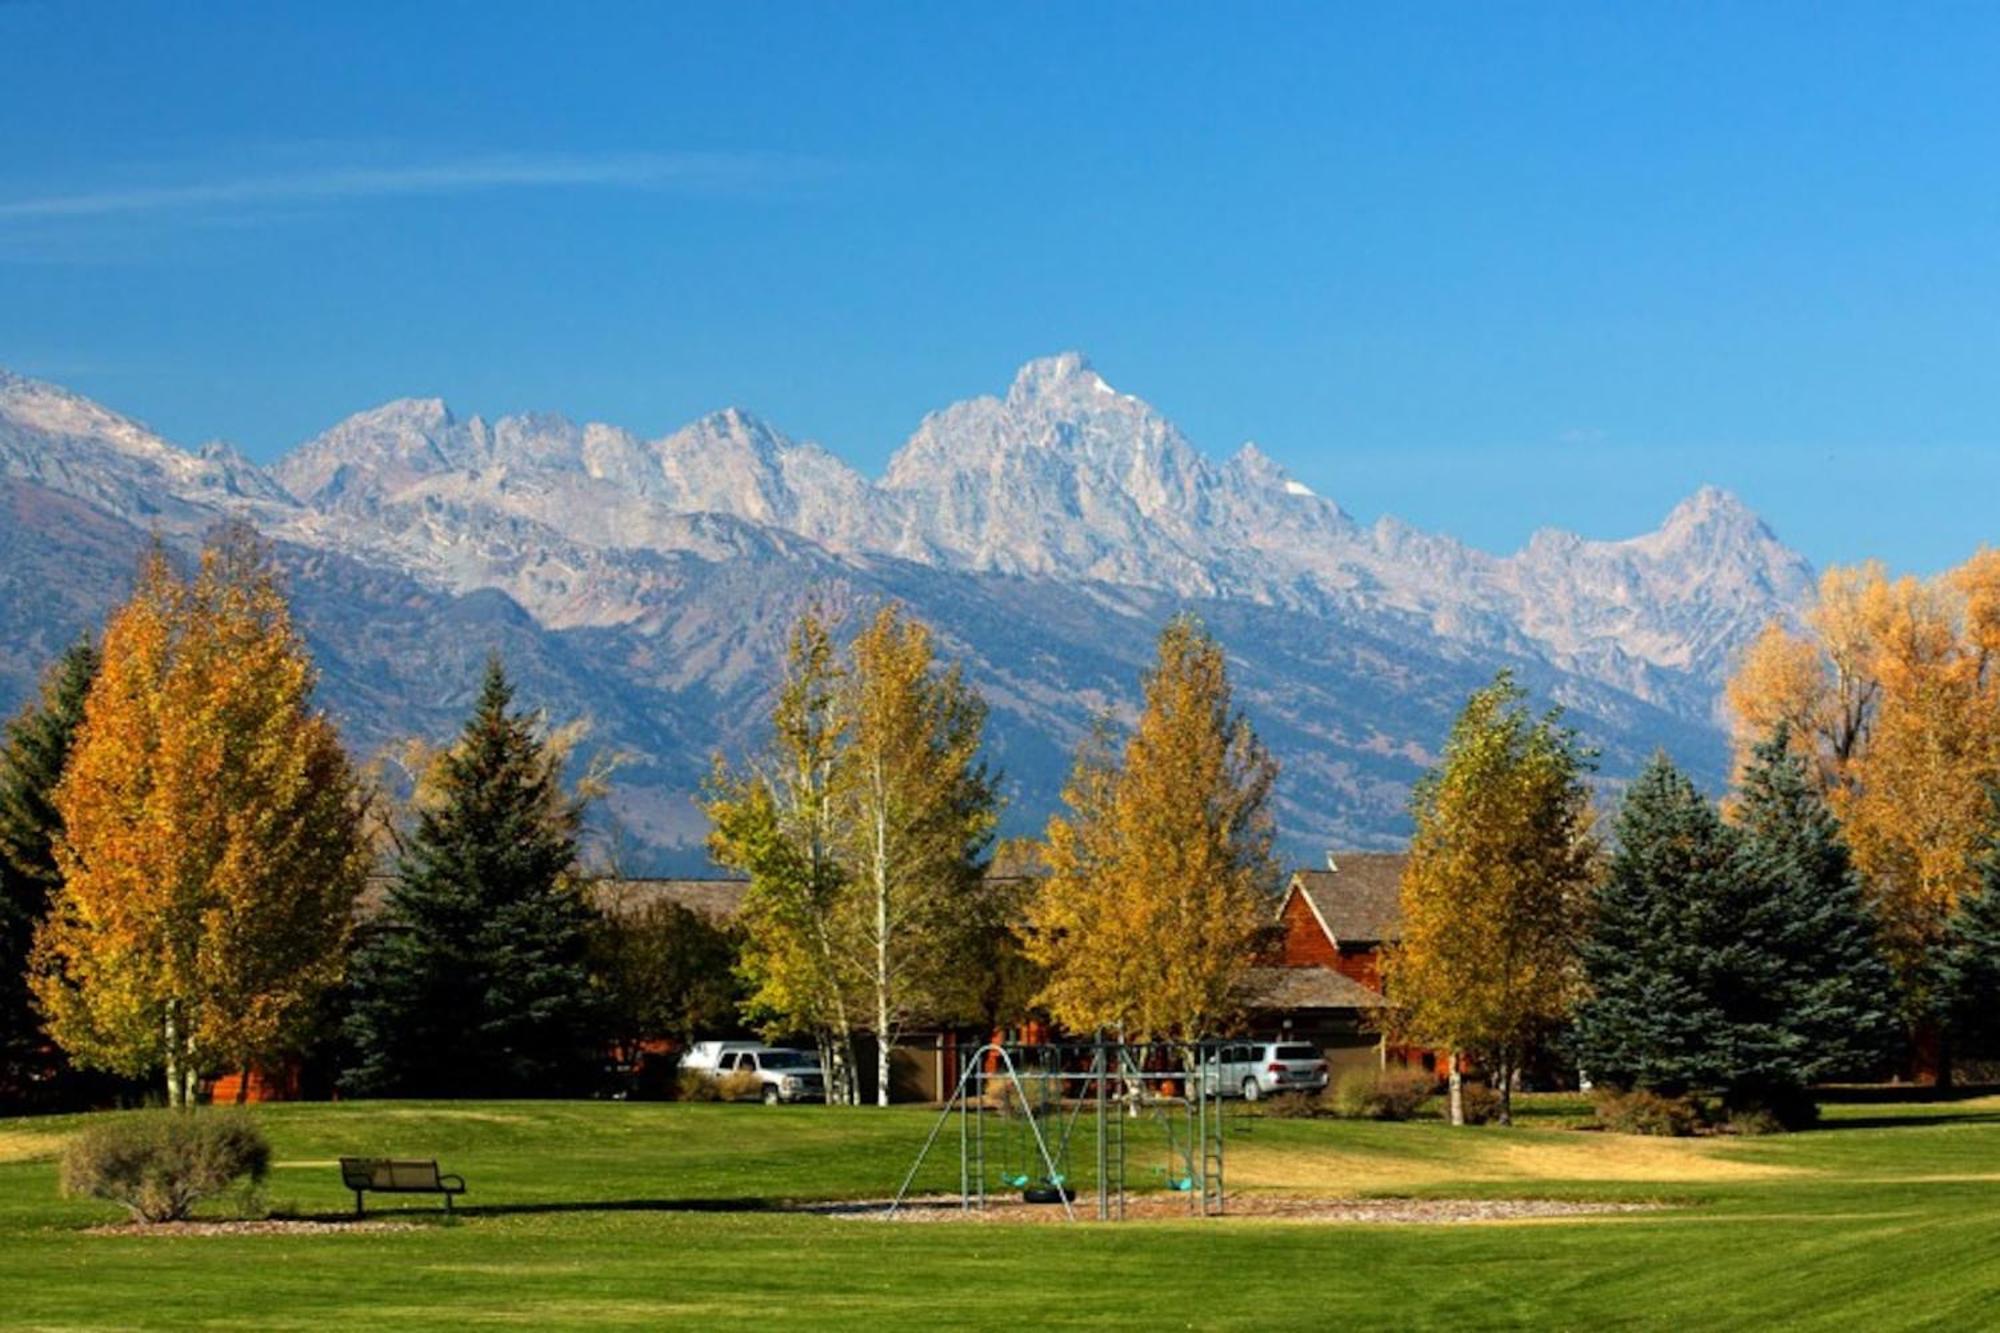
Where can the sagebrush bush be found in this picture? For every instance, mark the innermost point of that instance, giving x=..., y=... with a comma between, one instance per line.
x=160, y=1164
x=1382, y=1094
x=691, y=1085
x=1295, y=1106
x=1643, y=1112
x=740, y=1085
x=1478, y=1103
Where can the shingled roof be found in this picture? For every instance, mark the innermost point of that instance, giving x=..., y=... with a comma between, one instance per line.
x=1287, y=988
x=1360, y=901
x=717, y=899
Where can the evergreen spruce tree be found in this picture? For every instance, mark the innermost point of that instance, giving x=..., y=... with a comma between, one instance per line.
x=1805, y=966
x=1652, y=1020
x=1970, y=979
x=477, y=983
x=1733, y=961
x=36, y=748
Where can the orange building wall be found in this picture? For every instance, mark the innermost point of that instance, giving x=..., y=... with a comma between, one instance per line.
x=266, y=1085
x=1305, y=944
x=1362, y=963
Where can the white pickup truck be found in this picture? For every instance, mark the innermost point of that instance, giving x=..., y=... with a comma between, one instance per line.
x=786, y=1075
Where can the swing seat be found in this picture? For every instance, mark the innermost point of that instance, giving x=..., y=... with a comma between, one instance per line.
x=1048, y=1194
x=1013, y=1182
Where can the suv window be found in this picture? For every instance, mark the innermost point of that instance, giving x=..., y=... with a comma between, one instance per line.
x=727, y=1062
x=787, y=1060
x=1296, y=1053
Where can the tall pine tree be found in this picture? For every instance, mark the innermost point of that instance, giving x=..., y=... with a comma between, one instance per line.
x=477, y=982
x=1827, y=986
x=1649, y=1020
x=37, y=747
x=1970, y=973
x=1732, y=961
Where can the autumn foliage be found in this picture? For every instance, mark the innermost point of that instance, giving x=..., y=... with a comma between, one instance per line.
x=211, y=853
x=1161, y=875
x=1892, y=688
x=1496, y=890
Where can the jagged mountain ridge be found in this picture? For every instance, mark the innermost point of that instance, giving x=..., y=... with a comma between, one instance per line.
x=1067, y=478
x=1046, y=533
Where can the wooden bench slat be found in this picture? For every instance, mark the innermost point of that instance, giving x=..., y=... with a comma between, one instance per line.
x=390, y=1175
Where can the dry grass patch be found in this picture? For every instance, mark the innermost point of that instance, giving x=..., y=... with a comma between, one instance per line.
x=1493, y=1156
x=17, y=1145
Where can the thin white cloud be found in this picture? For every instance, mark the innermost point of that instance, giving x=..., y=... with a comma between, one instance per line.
x=694, y=172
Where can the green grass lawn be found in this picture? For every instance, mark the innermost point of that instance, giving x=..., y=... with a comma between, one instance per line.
x=590, y=1214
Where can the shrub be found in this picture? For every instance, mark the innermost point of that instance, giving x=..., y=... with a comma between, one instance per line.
x=1478, y=1103
x=1751, y=1121
x=1772, y=1113
x=1295, y=1106
x=160, y=1164
x=740, y=1085
x=1643, y=1112
x=691, y=1085
x=1385, y=1094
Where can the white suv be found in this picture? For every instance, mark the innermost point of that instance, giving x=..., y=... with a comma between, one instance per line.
x=786, y=1075
x=1254, y=1069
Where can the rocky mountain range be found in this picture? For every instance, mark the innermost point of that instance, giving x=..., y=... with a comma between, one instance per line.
x=1046, y=533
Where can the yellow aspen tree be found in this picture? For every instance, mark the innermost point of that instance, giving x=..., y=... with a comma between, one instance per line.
x=774, y=820
x=212, y=849
x=1162, y=876
x=1820, y=681
x=1895, y=681
x=1496, y=890
x=915, y=811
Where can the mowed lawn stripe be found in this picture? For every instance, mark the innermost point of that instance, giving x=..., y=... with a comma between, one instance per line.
x=1848, y=1226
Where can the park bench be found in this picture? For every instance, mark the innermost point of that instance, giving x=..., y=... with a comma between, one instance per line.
x=384, y=1175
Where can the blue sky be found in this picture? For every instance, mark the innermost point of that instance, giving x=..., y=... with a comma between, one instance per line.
x=1489, y=269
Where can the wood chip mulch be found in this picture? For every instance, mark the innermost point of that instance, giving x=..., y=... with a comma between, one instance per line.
x=265, y=1227
x=1390, y=1211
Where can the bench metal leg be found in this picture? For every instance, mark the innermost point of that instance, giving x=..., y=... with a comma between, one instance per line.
x=447, y=1201
x=357, y=1203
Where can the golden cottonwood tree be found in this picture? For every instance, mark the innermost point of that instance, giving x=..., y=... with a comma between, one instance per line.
x=1496, y=889
x=1893, y=687
x=212, y=850
x=1161, y=875
x=915, y=811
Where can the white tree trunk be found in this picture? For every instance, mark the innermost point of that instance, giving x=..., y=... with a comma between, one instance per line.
x=1457, y=1092
x=883, y=1036
x=172, y=1035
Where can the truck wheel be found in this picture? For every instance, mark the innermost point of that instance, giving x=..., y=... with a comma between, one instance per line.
x=771, y=1097
x=1250, y=1090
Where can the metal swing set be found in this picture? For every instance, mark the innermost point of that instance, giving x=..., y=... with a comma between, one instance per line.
x=1028, y=1101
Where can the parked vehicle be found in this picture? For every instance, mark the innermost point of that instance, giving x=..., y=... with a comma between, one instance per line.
x=785, y=1075
x=1254, y=1069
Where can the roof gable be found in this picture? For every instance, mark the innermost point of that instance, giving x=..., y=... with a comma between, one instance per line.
x=1359, y=901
